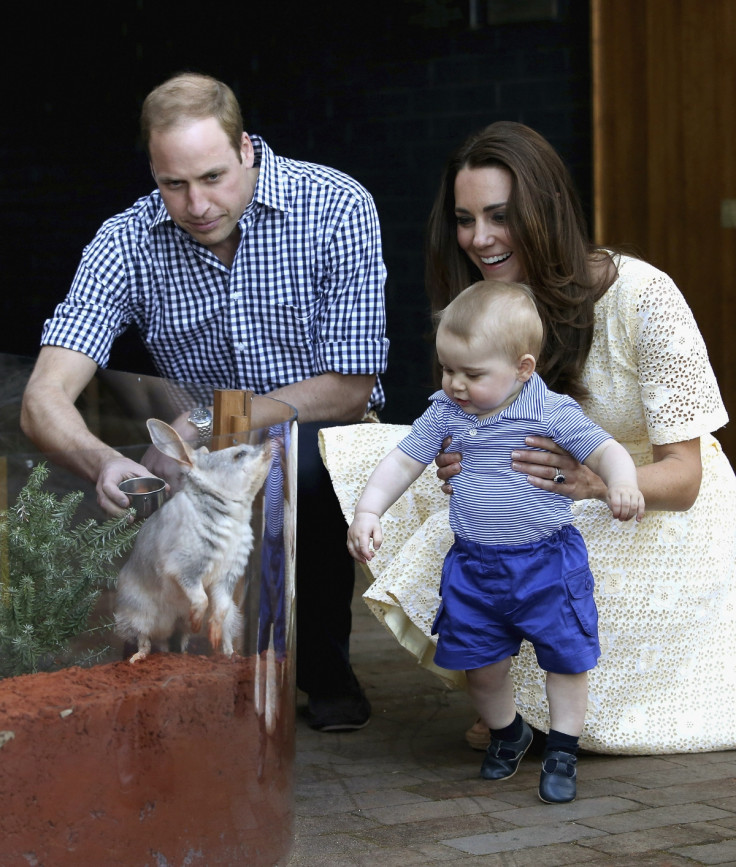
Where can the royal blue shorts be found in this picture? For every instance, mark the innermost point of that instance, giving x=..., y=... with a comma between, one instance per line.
x=493, y=596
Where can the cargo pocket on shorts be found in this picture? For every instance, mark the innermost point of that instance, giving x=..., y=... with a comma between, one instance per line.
x=580, y=591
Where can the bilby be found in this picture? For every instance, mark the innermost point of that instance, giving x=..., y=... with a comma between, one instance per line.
x=190, y=554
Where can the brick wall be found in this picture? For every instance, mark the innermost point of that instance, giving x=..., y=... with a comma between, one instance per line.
x=383, y=91
x=393, y=96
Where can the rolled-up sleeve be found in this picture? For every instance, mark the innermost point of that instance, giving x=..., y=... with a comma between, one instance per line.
x=350, y=333
x=95, y=311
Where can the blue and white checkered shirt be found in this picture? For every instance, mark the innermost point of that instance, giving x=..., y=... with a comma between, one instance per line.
x=304, y=295
x=491, y=503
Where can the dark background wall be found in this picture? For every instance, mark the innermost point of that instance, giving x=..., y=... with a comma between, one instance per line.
x=381, y=90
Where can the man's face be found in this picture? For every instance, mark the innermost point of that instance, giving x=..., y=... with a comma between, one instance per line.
x=205, y=183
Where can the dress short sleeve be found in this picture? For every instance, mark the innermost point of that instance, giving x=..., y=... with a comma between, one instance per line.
x=652, y=361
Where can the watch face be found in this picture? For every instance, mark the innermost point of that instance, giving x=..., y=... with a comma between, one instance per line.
x=200, y=416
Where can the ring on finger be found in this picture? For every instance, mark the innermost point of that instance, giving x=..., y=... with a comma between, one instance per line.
x=559, y=477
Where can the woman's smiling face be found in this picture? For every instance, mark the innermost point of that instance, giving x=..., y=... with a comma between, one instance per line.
x=481, y=196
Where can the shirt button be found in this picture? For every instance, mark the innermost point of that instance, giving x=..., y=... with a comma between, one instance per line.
x=472, y=432
x=239, y=346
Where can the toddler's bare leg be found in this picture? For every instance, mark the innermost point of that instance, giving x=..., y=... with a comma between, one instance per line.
x=491, y=690
x=567, y=695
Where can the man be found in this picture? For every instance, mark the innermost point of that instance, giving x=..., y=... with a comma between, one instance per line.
x=242, y=270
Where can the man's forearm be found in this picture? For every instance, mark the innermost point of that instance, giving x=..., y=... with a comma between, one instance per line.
x=57, y=428
x=50, y=419
x=328, y=397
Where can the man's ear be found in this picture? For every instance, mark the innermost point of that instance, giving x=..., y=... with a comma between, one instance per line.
x=527, y=366
x=247, y=154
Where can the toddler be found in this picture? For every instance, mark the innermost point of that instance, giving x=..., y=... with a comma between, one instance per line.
x=518, y=568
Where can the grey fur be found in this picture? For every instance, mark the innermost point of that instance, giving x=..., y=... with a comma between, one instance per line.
x=191, y=553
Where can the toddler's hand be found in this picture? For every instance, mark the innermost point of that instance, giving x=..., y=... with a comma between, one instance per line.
x=625, y=502
x=365, y=526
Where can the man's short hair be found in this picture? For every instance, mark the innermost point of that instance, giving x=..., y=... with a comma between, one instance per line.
x=191, y=96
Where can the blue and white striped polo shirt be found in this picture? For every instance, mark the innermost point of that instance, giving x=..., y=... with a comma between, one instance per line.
x=305, y=294
x=493, y=504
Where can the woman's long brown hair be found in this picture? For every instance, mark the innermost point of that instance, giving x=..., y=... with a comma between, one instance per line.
x=549, y=235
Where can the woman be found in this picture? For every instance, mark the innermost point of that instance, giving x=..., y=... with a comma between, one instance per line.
x=621, y=339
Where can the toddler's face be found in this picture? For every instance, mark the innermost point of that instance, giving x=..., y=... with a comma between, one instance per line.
x=478, y=380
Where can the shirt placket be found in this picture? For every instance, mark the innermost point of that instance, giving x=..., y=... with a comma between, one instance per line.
x=241, y=299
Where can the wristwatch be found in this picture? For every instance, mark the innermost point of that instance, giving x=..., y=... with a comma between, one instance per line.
x=201, y=418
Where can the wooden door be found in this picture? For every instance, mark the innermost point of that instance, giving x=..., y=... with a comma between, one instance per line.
x=664, y=118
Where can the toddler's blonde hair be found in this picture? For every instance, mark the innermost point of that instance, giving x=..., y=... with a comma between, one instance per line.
x=502, y=315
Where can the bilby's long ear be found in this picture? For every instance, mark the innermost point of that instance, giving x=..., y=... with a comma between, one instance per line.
x=168, y=442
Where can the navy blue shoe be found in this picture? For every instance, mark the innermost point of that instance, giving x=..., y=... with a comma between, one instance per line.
x=558, y=781
x=503, y=757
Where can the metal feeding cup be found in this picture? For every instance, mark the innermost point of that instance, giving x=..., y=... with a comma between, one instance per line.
x=145, y=494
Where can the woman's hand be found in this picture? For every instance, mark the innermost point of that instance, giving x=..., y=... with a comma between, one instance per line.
x=541, y=468
x=448, y=465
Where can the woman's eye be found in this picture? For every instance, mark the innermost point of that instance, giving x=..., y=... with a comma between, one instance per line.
x=499, y=218
x=464, y=221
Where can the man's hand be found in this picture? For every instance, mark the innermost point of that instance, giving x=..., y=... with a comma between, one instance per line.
x=111, y=499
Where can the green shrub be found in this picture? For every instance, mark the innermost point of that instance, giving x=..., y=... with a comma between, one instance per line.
x=51, y=576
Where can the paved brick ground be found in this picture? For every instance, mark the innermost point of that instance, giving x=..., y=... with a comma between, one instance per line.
x=405, y=790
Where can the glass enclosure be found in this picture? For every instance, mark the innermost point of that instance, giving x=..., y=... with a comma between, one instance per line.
x=183, y=755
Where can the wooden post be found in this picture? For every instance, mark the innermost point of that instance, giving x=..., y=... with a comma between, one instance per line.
x=232, y=414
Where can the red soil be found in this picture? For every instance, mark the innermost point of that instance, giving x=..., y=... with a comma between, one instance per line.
x=164, y=763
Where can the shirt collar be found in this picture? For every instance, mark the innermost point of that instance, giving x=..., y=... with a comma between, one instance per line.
x=529, y=402
x=162, y=215
x=271, y=186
